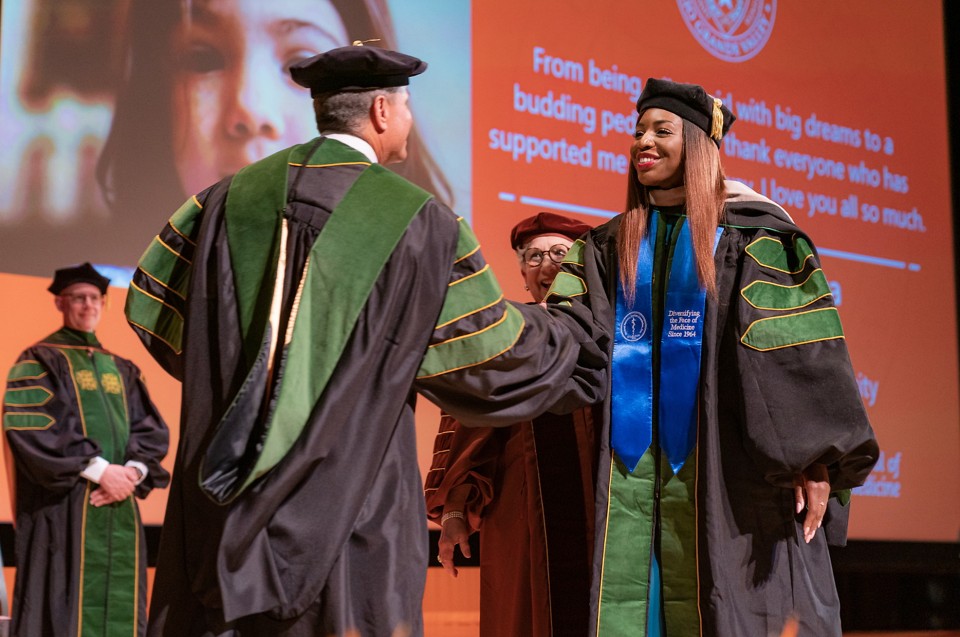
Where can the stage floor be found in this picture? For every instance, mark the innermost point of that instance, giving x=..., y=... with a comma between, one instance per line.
x=451, y=608
x=439, y=624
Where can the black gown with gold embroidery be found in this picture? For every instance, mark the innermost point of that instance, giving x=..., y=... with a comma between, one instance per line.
x=80, y=569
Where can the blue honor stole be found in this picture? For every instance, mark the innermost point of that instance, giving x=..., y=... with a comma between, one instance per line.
x=681, y=339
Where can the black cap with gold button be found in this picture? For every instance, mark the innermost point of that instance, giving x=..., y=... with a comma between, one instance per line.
x=356, y=68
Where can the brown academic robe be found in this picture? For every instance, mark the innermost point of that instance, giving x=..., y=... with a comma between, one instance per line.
x=530, y=493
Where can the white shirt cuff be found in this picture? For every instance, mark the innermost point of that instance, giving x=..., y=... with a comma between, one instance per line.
x=94, y=470
x=139, y=466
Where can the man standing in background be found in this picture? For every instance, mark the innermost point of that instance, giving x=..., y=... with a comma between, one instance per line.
x=86, y=442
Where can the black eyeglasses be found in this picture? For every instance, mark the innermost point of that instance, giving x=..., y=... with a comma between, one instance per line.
x=79, y=299
x=533, y=257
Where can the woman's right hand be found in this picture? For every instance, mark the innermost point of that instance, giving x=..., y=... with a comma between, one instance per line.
x=454, y=532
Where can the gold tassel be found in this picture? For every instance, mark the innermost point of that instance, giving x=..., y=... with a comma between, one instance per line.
x=716, y=130
x=362, y=42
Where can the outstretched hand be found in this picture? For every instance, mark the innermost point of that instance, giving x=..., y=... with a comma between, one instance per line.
x=812, y=490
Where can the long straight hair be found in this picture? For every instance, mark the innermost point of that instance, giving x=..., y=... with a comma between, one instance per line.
x=705, y=195
x=136, y=169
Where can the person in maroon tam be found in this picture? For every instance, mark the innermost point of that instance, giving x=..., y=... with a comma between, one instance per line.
x=528, y=488
x=548, y=223
x=86, y=442
x=542, y=242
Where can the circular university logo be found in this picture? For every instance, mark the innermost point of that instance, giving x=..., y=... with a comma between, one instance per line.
x=732, y=30
x=633, y=327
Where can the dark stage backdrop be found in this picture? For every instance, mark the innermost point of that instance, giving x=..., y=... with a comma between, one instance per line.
x=527, y=106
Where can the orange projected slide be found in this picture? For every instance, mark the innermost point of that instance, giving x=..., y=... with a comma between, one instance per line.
x=528, y=105
x=827, y=130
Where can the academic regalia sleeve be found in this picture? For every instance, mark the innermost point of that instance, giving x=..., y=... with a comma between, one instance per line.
x=41, y=424
x=463, y=458
x=149, y=436
x=800, y=400
x=157, y=298
x=578, y=297
x=494, y=362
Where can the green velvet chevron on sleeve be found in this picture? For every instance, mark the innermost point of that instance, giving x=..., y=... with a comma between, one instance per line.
x=475, y=323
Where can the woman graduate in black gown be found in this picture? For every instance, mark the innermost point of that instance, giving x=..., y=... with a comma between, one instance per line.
x=733, y=428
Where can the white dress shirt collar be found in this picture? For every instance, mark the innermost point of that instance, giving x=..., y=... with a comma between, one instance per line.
x=356, y=143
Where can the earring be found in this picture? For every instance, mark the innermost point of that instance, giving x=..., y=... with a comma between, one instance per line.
x=527, y=288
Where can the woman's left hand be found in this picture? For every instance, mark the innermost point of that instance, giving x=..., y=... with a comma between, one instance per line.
x=812, y=489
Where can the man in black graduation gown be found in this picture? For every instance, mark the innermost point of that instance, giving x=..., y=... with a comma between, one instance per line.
x=86, y=441
x=303, y=302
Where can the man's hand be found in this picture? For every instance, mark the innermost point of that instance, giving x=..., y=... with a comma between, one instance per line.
x=812, y=489
x=454, y=532
x=116, y=484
